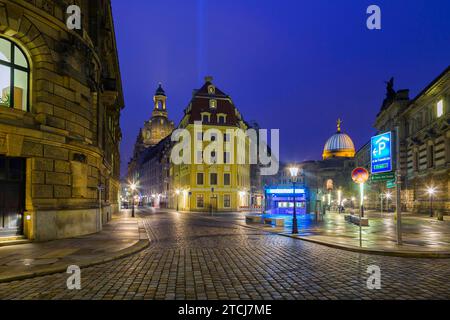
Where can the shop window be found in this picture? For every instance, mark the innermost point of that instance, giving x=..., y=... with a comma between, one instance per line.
x=226, y=201
x=200, y=201
x=14, y=76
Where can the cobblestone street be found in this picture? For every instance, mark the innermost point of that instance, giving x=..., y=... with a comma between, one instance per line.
x=194, y=257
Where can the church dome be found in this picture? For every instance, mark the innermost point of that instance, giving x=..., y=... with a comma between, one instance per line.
x=340, y=145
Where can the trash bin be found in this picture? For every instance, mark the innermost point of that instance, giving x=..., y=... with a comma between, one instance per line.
x=440, y=215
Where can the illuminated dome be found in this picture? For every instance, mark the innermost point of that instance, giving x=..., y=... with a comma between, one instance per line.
x=340, y=145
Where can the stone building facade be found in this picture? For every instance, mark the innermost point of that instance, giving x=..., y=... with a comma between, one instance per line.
x=424, y=142
x=61, y=99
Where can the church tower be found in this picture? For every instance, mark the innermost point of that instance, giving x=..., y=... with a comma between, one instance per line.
x=159, y=126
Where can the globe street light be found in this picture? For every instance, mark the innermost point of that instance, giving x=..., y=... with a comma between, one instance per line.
x=431, y=192
x=294, y=173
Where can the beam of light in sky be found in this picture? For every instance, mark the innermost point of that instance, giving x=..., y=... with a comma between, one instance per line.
x=201, y=39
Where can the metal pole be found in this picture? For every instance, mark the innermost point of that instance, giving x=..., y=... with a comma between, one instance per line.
x=361, y=213
x=132, y=205
x=382, y=205
x=294, y=220
x=431, y=206
x=398, y=184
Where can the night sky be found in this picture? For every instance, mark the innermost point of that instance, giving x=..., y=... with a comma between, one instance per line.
x=290, y=65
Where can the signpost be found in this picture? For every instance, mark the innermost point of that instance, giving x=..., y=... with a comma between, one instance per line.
x=360, y=176
x=383, y=177
x=381, y=153
x=390, y=184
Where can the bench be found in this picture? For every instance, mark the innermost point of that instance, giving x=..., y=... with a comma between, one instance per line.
x=278, y=222
x=253, y=219
x=357, y=220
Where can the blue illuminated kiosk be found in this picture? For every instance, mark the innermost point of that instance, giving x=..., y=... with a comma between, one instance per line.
x=280, y=200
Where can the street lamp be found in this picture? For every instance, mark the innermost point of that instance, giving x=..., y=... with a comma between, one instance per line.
x=177, y=192
x=340, y=200
x=133, y=188
x=388, y=197
x=431, y=192
x=294, y=173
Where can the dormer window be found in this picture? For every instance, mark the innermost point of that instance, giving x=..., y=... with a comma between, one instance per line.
x=221, y=118
x=213, y=104
x=211, y=89
x=206, y=117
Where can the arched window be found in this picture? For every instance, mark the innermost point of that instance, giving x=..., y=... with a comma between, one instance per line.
x=14, y=76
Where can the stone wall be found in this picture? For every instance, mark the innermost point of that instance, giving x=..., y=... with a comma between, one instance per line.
x=71, y=134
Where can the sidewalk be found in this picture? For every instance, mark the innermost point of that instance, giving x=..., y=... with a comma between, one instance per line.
x=423, y=237
x=121, y=237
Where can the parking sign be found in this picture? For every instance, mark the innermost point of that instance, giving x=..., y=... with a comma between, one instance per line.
x=381, y=153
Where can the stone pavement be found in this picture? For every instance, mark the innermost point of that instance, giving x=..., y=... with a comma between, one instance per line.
x=422, y=236
x=196, y=257
x=119, y=238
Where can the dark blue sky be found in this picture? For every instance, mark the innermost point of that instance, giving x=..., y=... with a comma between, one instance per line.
x=289, y=64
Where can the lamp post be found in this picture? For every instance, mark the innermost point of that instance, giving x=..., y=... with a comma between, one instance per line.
x=340, y=200
x=388, y=197
x=294, y=172
x=431, y=192
x=133, y=188
x=177, y=192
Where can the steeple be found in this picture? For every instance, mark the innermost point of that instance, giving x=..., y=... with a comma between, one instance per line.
x=159, y=99
x=339, y=124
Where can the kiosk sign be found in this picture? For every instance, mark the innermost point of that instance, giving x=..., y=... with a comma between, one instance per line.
x=381, y=153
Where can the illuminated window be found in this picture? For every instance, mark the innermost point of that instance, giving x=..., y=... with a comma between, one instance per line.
x=211, y=90
x=14, y=76
x=440, y=108
x=213, y=104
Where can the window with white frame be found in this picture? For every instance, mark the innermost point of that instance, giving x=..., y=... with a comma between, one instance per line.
x=14, y=76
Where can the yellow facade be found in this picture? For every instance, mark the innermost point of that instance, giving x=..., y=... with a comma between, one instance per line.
x=190, y=192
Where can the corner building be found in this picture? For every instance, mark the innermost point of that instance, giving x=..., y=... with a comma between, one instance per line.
x=60, y=103
x=223, y=185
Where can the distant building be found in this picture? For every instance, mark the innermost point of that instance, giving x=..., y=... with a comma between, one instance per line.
x=212, y=181
x=157, y=128
x=154, y=174
x=424, y=142
x=60, y=104
x=321, y=180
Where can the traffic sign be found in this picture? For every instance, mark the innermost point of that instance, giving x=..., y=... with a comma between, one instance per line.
x=383, y=177
x=360, y=175
x=390, y=184
x=381, y=153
